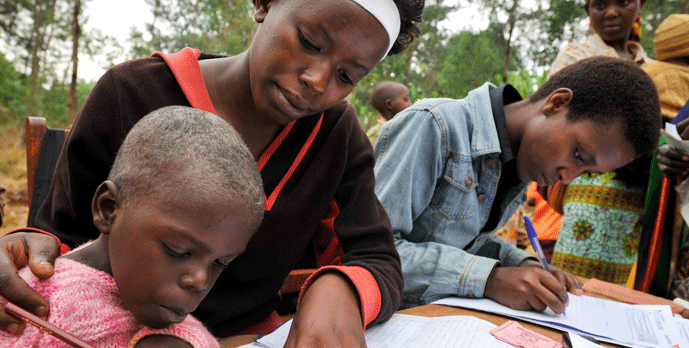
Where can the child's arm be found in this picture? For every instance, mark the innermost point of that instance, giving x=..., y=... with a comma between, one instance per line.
x=190, y=333
x=162, y=341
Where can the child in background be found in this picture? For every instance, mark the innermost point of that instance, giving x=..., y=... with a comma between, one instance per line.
x=159, y=251
x=671, y=72
x=285, y=96
x=389, y=98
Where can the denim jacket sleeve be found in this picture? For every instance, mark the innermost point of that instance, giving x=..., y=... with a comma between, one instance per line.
x=432, y=270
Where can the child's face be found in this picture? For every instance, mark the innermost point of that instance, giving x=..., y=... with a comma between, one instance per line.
x=307, y=55
x=553, y=148
x=165, y=255
x=401, y=102
x=613, y=19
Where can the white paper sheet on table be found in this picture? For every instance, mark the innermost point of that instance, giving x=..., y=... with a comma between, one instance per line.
x=413, y=331
x=606, y=320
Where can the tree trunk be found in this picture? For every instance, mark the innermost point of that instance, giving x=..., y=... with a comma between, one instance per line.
x=430, y=78
x=37, y=40
x=76, y=34
x=508, y=45
x=410, y=55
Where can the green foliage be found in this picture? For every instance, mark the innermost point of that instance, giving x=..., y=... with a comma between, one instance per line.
x=214, y=26
x=13, y=90
x=527, y=83
x=471, y=60
x=438, y=64
x=51, y=102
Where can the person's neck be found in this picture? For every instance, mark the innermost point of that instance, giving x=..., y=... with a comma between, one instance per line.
x=229, y=86
x=622, y=48
x=517, y=117
x=94, y=255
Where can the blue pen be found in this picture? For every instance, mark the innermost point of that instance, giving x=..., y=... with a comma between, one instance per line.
x=533, y=238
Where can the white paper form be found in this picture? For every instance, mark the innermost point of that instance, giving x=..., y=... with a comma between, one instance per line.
x=606, y=320
x=413, y=331
x=683, y=328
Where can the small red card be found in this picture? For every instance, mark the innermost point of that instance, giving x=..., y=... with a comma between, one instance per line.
x=513, y=333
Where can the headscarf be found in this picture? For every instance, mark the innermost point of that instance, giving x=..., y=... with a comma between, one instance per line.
x=387, y=14
x=672, y=37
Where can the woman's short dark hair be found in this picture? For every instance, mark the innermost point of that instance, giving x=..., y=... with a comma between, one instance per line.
x=607, y=90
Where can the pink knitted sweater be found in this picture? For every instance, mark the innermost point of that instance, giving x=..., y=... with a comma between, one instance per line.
x=86, y=303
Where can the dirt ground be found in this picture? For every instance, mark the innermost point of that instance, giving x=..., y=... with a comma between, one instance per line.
x=13, y=177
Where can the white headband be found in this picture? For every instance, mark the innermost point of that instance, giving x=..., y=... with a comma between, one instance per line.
x=387, y=14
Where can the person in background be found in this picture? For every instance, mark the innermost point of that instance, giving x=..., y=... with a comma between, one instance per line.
x=663, y=266
x=599, y=232
x=450, y=172
x=671, y=70
x=388, y=98
x=616, y=33
x=285, y=96
x=153, y=263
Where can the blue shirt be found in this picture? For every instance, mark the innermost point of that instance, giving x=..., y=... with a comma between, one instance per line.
x=438, y=166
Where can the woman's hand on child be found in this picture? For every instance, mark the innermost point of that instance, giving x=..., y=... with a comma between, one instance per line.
x=526, y=288
x=17, y=250
x=329, y=315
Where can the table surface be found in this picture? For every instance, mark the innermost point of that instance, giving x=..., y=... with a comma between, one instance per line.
x=432, y=310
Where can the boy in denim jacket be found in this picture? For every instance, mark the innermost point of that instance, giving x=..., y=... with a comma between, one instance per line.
x=450, y=172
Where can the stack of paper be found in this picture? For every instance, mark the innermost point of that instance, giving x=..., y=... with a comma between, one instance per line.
x=413, y=331
x=608, y=321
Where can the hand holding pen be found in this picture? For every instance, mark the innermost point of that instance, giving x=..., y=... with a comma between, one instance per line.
x=570, y=281
x=44, y=326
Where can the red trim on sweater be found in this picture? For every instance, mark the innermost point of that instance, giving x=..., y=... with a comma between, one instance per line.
x=365, y=284
x=276, y=192
x=185, y=66
x=268, y=153
x=328, y=247
x=64, y=248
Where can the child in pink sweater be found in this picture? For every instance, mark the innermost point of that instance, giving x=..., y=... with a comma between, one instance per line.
x=181, y=201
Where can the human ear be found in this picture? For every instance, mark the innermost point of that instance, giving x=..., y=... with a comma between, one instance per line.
x=557, y=100
x=388, y=104
x=104, y=206
x=262, y=7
